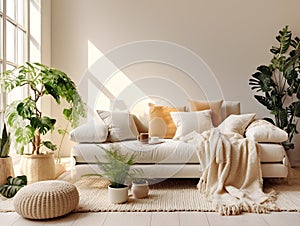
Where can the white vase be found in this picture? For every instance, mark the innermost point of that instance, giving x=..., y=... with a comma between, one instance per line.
x=118, y=195
x=140, y=190
x=38, y=167
x=6, y=169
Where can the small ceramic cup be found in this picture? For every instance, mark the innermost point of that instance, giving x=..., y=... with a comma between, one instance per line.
x=143, y=137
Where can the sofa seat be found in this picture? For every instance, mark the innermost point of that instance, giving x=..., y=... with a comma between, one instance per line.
x=168, y=152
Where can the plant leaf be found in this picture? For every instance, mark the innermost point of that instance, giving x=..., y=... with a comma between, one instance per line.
x=264, y=101
x=49, y=145
x=44, y=124
x=12, y=186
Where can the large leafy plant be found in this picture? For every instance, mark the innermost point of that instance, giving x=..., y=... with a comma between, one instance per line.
x=26, y=118
x=279, y=84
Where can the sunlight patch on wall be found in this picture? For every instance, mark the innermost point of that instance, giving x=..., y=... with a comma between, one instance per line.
x=106, y=82
x=106, y=86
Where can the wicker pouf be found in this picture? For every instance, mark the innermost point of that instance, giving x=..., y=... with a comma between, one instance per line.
x=46, y=199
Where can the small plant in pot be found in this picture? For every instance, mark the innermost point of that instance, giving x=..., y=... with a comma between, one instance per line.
x=117, y=169
x=26, y=118
x=140, y=188
x=6, y=165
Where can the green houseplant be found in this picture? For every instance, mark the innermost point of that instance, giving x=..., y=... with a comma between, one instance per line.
x=279, y=84
x=25, y=117
x=117, y=169
x=13, y=185
x=6, y=165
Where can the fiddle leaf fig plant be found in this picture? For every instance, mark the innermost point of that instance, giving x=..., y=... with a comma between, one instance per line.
x=279, y=84
x=25, y=117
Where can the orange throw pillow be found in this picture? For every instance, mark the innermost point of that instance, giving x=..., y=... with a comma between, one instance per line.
x=160, y=121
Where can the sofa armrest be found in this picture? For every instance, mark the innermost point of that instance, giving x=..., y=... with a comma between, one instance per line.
x=90, y=132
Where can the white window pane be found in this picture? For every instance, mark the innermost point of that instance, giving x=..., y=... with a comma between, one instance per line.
x=21, y=46
x=1, y=5
x=9, y=67
x=21, y=12
x=17, y=93
x=10, y=8
x=10, y=42
x=1, y=38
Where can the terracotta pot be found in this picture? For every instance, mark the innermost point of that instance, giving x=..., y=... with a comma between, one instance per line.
x=38, y=167
x=118, y=195
x=140, y=190
x=6, y=169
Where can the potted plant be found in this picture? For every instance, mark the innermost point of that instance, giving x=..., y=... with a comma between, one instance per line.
x=279, y=83
x=27, y=121
x=6, y=165
x=117, y=170
x=140, y=188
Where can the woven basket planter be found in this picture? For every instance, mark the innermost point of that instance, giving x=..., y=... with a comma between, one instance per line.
x=6, y=169
x=38, y=167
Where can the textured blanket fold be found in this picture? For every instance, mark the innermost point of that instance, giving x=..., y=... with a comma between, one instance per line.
x=232, y=177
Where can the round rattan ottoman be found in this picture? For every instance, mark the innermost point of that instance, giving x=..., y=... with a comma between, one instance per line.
x=46, y=199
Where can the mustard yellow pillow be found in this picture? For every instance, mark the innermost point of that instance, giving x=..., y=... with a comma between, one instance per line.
x=160, y=121
x=214, y=106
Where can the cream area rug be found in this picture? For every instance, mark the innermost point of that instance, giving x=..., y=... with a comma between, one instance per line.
x=170, y=195
x=176, y=195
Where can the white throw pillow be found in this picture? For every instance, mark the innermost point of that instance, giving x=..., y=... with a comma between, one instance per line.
x=263, y=131
x=187, y=122
x=120, y=125
x=236, y=123
x=90, y=132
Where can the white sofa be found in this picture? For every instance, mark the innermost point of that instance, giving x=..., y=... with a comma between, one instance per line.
x=171, y=158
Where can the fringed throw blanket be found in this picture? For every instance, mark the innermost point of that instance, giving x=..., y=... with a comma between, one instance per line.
x=231, y=177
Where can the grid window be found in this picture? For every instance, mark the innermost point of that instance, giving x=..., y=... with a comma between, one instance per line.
x=13, y=43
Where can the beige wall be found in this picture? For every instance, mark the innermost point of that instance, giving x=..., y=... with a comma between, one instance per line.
x=232, y=37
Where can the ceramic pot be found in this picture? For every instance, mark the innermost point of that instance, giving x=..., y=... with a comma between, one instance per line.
x=38, y=167
x=140, y=190
x=6, y=169
x=118, y=195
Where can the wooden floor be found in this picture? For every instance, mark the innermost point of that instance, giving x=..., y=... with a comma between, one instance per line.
x=158, y=219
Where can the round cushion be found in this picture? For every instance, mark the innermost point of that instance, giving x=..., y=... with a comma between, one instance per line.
x=46, y=199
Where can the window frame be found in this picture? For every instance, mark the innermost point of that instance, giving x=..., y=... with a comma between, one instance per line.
x=18, y=29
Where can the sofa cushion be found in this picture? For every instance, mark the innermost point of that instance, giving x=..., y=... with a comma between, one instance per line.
x=187, y=122
x=90, y=132
x=169, y=152
x=160, y=120
x=230, y=107
x=263, y=131
x=236, y=123
x=214, y=106
x=121, y=125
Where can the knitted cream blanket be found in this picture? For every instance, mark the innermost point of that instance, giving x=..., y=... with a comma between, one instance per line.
x=232, y=177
